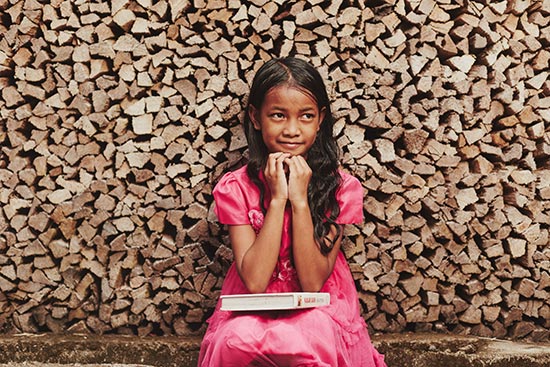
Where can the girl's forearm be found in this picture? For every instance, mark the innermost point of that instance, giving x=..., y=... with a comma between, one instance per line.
x=260, y=259
x=313, y=268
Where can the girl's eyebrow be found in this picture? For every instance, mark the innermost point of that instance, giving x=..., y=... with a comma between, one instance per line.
x=284, y=108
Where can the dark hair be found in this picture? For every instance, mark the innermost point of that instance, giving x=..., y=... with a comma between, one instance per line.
x=323, y=156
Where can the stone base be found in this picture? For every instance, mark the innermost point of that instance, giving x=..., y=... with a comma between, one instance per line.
x=400, y=350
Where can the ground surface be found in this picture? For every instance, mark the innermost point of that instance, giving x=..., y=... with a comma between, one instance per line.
x=402, y=350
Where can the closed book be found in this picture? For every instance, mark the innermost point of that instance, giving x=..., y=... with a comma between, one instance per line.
x=273, y=301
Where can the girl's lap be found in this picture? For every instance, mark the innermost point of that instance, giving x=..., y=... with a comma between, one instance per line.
x=286, y=326
x=293, y=338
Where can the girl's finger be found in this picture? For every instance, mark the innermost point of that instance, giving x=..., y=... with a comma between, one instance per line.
x=272, y=160
x=282, y=160
x=269, y=166
x=299, y=164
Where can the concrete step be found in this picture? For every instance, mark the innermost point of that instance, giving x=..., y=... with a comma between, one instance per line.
x=95, y=350
x=442, y=350
x=401, y=350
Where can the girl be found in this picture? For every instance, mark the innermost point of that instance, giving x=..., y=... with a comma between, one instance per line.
x=285, y=211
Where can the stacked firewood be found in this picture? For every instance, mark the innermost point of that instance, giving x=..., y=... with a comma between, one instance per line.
x=117, y=118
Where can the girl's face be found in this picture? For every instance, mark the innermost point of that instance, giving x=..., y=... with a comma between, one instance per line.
x=288, y=119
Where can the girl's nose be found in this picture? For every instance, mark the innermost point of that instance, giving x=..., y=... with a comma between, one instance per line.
x=292, y=127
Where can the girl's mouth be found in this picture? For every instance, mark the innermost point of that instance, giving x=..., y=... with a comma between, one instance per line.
x=290, y=145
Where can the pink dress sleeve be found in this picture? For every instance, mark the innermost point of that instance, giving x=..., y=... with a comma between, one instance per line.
x=350, y=199
x=230, y=203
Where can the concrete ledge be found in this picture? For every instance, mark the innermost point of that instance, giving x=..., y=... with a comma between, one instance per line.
x=401, y=350
x=110, y=350
x=442, y=350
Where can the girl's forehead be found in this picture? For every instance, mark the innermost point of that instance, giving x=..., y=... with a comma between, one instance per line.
x=289, y=92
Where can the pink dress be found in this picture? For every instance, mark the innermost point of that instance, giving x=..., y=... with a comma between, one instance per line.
x=330, y=336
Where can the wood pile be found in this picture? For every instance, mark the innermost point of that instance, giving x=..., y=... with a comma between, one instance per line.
x=116, y=119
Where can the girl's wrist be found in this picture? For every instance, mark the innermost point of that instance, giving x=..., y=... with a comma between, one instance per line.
x=278, y=202
x=299, y=204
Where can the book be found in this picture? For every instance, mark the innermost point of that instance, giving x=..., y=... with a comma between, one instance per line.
x=273, y=301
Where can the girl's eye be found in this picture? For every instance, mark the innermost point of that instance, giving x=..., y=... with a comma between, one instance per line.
x=308, y=116
x=277, y=116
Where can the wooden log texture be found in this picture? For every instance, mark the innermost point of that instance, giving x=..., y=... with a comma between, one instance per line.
x=117, y=118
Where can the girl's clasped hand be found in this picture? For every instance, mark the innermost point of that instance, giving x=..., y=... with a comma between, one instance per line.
x=288, y=177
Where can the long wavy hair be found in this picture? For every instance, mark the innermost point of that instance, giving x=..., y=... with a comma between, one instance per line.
x=323, y=156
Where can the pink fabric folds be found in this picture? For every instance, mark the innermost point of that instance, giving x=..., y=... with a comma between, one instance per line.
x=331, y=336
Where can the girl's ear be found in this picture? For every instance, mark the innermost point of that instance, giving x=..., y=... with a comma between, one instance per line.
x=253, y=114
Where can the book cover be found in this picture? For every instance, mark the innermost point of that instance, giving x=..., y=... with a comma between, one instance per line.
x=273, y=301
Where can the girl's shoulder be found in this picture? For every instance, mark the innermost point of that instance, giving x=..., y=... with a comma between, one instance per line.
x=350, y=199
x=237, y=172
x=236, y=177
x=349, y=182
x=235, y=182
x=233, y=196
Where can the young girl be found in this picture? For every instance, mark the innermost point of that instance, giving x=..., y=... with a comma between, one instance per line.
x=285, y=211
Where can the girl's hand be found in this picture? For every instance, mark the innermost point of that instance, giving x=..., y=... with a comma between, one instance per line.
x=298, y=180
x=275, y=175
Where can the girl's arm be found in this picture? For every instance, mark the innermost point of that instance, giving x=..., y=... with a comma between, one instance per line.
x=312, y=266
x=256, y=255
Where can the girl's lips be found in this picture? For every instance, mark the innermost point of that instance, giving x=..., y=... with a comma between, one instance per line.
x=290, y=145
